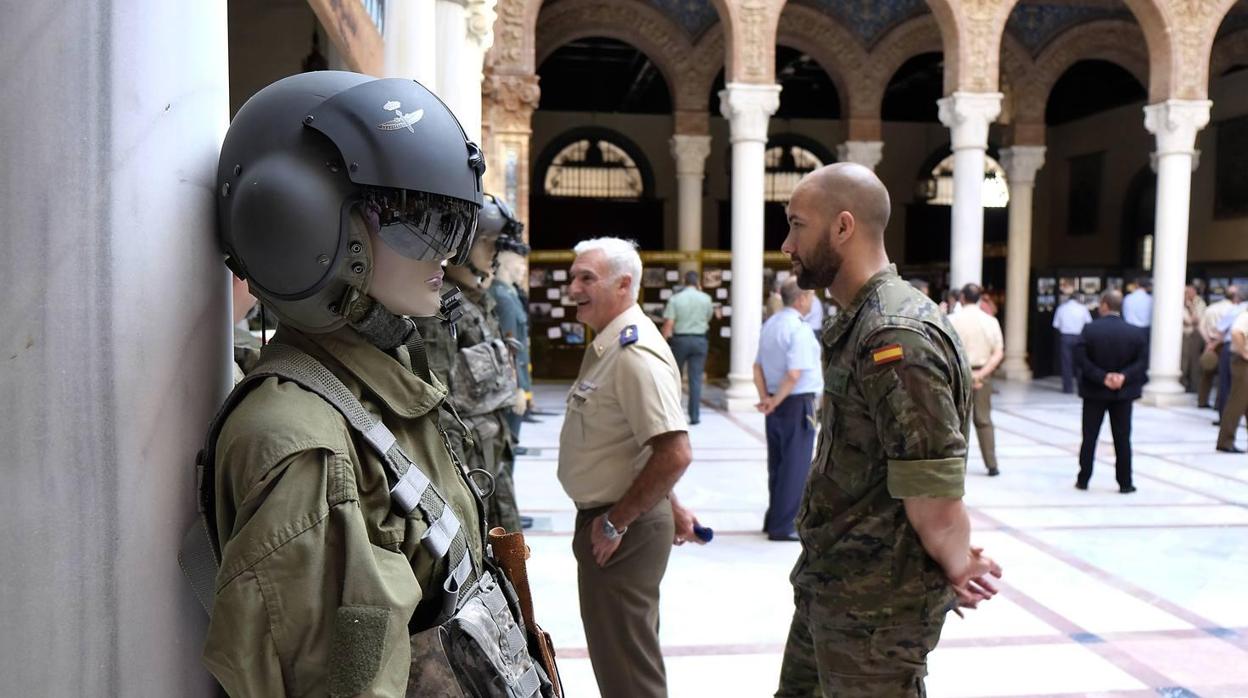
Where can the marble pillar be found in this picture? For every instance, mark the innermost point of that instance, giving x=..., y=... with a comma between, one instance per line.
x=968, y=114
x=690, y=152
x=412, y=41
x=1175, y=123
x=865, y=153
x=479, y=36
x=748, y=108
x=1021, y=164
x=451, y=20
x=116, y=341
x=508, y=101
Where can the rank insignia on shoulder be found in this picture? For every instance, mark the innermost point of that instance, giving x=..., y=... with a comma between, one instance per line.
x=628, y=335
x=888, y=354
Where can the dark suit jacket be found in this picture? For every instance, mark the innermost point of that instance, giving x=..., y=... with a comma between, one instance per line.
x=1109, y=345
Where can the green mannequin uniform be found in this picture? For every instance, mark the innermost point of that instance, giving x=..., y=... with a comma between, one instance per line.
x=490, y=446
x=895, y=423
x=321, y=582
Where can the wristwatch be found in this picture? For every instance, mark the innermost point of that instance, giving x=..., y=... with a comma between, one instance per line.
x=609, y=530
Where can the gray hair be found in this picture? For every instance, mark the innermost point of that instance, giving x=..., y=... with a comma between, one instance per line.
x=622, y=258
x=790, y=292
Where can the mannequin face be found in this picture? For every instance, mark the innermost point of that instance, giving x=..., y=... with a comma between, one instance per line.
x=405, y=286
x=512, y=268
x=482, y=255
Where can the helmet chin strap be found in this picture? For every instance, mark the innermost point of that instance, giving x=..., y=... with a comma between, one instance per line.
x=382, y=328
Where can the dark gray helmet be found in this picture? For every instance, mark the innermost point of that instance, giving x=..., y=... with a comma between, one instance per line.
x=497, y=219
x=306, y=152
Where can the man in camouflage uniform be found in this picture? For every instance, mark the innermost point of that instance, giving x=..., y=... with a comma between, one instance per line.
x=479, y=370
x=885, y=537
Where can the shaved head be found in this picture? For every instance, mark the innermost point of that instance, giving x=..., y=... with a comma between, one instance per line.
x=847, y=186
x=837, y=216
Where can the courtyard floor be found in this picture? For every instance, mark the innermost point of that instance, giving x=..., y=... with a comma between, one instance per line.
x=1104, y=594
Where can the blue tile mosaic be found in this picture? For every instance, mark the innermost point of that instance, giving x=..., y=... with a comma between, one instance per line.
x=869, y=20
x=1176, y=692
x=1086, y=638
x=1224, y=633
x=694, y=16
x=1036, y=25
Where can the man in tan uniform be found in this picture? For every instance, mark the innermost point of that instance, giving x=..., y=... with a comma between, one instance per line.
x=623, y=447
x=981, y=337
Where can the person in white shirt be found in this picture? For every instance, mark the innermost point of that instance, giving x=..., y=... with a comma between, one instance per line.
x=1137, y=307
x=981, y=337
x=1069, y=320
x=1212, y=338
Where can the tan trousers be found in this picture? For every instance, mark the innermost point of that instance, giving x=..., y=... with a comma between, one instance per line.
x=1236, y=403
x=1189, y=362
x=620, y=603
x=981, y=415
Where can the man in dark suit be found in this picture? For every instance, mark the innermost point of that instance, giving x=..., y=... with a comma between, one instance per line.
x=1113, y=358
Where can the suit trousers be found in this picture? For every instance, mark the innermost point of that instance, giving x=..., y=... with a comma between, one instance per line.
x=620, y=603
x=1224, y=377
x=1236, y=403
x=1066, y=350
x=1206, y=382
x=981, y=415
x=1193, y=345
x=691, y=349
x=790, y=448
x=1119, y=425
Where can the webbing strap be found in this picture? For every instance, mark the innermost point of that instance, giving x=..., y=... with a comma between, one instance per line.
x=530, y=684
x=412, y=489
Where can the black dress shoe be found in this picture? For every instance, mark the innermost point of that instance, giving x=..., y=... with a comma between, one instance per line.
x=530, y=419
x=1216, y=422
x=993, y=472
x=1126, y=490
x=694, y=421
x=526, y=522
x=519, y=450
x=1230, y=449
x=1081, y=485
x=791, y=538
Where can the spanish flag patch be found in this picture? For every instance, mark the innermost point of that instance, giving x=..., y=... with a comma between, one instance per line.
x=887, y=354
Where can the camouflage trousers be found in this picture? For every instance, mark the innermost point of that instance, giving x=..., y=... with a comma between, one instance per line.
x=491, y=452
x=822, y=659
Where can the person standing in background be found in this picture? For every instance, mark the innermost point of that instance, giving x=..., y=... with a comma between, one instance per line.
x=686, y=320
x=1069, y=321
x=985, y=348
x=1224, y=353
x=816, y=316
x=1212, y=339
x=1137, y=307
x=788, y=377
x=1237, y=397
x=1193, y=343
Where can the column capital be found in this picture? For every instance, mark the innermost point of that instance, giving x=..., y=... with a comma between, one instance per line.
x=865, y=153
x=968, y=114
x=690, y=152
x=512, y=98
x=748, y=107
x=480, y=22
x=1021, y=162
x=1152, y=160
x=1175, y=122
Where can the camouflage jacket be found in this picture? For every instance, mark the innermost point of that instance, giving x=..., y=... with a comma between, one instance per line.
x=895, y=419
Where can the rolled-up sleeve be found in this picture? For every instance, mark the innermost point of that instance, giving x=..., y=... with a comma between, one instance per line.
x=921, y=421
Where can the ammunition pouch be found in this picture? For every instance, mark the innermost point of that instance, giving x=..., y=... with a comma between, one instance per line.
x=482, y=379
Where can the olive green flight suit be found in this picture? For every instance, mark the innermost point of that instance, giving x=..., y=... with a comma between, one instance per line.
x=321, y=581
x=490, y=446
x=895, y=423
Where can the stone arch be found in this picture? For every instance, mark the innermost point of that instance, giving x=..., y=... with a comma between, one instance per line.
x=749, y=39
x=1016, y=67
x=1228, y=51
x=1116, y=41
x=704, y=64
x=1180, y=38
x=635, y=23
x=971, y=33
x=905, y=41
x=830, y=44
x=515, y=37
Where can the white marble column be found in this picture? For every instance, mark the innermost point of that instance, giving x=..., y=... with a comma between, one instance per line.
x=1175, y=124
x=114, y=353
x=748, y=108
x=1020, y=163
x=479, y=27
x=412, y=41
x=865, y=153
x=690, y=152
x=451, y=20
x=968, y=114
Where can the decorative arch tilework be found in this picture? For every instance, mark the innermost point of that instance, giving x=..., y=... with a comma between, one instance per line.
x=869, y=20
x=1036, y=25
x=694, y=16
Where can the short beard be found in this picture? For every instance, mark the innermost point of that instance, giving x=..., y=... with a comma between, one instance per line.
x=820, y=269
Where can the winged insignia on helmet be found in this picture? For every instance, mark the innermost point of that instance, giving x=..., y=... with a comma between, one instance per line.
x=400, y=119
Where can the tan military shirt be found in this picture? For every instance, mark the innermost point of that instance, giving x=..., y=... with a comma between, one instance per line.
x=307, y=528
x=895, y=423
x=627, y=393
x=980, y=334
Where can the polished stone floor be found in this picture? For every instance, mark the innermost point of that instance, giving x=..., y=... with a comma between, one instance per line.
x=1104, y=594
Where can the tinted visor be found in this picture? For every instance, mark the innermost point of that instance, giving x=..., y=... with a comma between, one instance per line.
x=423, y=226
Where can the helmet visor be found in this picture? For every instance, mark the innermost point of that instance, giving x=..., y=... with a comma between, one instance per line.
x=422, y=226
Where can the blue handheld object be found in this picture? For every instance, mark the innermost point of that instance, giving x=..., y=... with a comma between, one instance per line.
x=703, y=532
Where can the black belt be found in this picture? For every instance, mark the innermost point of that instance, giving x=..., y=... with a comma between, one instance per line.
x=689, y=334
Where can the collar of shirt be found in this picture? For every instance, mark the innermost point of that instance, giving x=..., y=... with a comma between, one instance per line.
x=846, y=317
x=390, y=379
x=611, y=333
